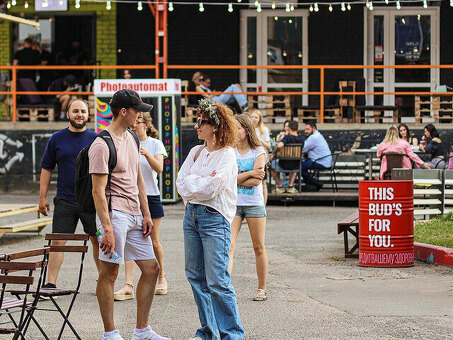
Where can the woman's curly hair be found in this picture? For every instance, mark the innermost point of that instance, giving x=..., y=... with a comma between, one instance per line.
x=226, y=133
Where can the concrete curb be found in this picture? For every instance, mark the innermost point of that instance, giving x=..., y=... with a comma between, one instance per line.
x=433, y=254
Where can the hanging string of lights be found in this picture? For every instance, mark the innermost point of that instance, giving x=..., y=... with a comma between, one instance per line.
x=288, y=6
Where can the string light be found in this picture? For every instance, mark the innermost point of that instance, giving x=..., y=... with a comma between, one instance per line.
x=201, y=8
x=239, y=0
x=273, y=5
x=256, y=3
x=451, y=3
x=230, y=7
x=398, y=5
x=108, y=5
x=45, y=4
x=139, y=6
x=367, y=4
x=371, y=6
x=61, y=2
x=349, y=6
x=8, y=5
x=311, y=8
x=14, y=2
x=425, y=4
x=292, y=8
x=26, y=5
x=276, y=18
x=386, y=2
x=343, y=7
x=170, y=6
x=287, y=7
x=77, y=4
x=258, y=8
x=316, y=7
x=330, y=8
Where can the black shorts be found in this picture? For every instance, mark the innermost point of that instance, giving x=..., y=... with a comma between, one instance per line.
x=66, y=215
x=155, y=206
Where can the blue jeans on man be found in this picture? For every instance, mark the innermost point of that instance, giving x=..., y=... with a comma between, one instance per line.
x=231, y=98
x=310, y=165
x=207, y=241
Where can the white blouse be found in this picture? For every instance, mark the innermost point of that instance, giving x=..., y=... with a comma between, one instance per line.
x=195, y=185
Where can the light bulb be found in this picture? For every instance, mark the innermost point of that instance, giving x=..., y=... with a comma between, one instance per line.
x=386, y=2
x=371, y=6
x=367, y=4
x=201, y=8
x=287, y=7
x=61, y=2
x=316, y=7
x=108, y=5
x=77, y=4
x=311, y=8
x=348, y=6
x=26, y=4
x=276, y=18
x=14, y=2
x=256, y=3
x=8, y=5
x=425, y=4
x=343, y=7
x=398, y=5
x=258, y=8
x=273, y=5
x=170, y=6
x=291, y=7
x=330, y=8
x=239, y=0
x=230, y=7
x=45, y=4
x=451, y=3
x=139, y=6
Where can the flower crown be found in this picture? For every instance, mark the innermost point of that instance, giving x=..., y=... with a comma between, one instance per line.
x=209, y=109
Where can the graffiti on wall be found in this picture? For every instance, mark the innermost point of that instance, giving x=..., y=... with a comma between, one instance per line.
x=9, y=153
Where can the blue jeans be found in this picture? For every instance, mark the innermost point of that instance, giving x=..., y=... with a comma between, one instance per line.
x=207, y=240
x=310, y=165
x=230, y=98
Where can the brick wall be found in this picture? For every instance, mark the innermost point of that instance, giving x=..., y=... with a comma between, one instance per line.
x=105, y=32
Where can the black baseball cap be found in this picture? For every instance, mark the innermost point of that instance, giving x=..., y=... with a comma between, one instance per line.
x=127, y=98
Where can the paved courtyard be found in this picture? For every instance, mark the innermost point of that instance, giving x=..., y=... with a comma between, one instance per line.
x=314, y=293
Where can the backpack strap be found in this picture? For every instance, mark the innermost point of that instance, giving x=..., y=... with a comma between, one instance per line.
x=137, y=140
x=105, y=135
x=198, y=153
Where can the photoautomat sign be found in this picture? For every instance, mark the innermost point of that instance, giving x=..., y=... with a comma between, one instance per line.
x=164, y=95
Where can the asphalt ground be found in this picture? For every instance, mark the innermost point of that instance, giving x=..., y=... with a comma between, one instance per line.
x=313, y=291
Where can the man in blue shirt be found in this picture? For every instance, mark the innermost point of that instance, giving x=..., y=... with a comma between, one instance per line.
x=318, y=156
x=62, y=150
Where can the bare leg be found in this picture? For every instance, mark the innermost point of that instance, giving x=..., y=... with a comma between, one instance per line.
x=292, y=178
x=145, y=290
x=257, y=227
x=55, y=261
x=95, y=243
x=158, y=250
x=265, y=193
x=277, y=178
x=64, y=101
x=235, y=228
x=108, y=272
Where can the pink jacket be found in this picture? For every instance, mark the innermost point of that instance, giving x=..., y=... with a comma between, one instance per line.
x=401, y=147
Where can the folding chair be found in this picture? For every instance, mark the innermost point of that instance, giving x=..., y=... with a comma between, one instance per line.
x=330, y=171
x=50, y=293
x=289, y=152
x=24, y=306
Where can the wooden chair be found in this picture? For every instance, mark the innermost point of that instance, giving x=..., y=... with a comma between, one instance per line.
x=394, y=160
x=51, y=294
x=289, y=152
x=25, y=305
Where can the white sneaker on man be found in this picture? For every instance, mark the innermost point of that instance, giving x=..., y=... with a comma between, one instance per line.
x=115, y=336
x=149, y=335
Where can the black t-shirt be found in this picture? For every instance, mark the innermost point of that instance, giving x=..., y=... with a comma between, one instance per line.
x=291, y=139
x=27, y=56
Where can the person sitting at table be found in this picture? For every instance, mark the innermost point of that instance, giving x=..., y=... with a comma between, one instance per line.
x=392, y=143
x=405, y=134
x=434, y=146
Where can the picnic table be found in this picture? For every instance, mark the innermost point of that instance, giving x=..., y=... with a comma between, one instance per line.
x=33, y=225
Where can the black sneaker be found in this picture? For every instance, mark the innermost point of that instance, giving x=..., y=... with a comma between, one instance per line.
x=47, y=286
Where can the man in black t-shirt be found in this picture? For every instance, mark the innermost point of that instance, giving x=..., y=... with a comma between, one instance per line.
x=289, y=136
x=27, y=56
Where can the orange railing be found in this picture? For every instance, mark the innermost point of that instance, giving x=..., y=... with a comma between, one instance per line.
x=321, y=93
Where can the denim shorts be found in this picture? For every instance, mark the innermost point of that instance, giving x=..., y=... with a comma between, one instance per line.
x=251, y=211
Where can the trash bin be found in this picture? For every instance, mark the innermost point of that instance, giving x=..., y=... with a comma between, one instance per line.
x=386, y=223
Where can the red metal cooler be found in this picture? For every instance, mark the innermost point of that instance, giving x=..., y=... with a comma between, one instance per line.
x=386, y=223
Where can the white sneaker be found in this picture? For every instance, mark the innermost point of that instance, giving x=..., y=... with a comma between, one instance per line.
x=113, y=337
x=149, y=335
x=195, y=338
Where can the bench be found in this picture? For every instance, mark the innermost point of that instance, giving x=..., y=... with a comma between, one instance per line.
x=34, y=225
x=346, y=227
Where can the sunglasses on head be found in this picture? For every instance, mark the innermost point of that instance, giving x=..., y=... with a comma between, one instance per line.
x=201, y=121
x=200, y=79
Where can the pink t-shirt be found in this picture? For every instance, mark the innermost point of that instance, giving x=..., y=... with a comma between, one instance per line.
x=402, y=147
x=124, y=177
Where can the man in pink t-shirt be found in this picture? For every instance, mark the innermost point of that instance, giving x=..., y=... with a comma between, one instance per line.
x=126, y=228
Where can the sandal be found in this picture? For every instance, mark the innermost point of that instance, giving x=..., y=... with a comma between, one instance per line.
x=121, y=295
x=260, y=295
x=161, y=288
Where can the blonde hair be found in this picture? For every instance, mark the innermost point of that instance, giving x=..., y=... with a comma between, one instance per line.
x=195, y=77
x=392, y=135
x=260, y=126
x=151, y=131
x=246, y=122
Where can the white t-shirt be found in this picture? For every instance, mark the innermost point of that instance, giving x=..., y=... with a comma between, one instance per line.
x=196, y=186
x=249, y=195
x=154, y=147
x=265, y=136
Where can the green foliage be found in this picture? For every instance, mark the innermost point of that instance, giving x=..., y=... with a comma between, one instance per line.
x=437, y=231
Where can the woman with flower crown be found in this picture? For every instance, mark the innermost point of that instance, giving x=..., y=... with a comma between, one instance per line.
x=207, y=182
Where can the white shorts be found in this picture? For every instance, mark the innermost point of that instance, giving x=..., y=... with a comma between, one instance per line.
x=129, y=241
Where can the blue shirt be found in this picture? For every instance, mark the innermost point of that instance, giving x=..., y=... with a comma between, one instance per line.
x=317, y=149
x=62, y=150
